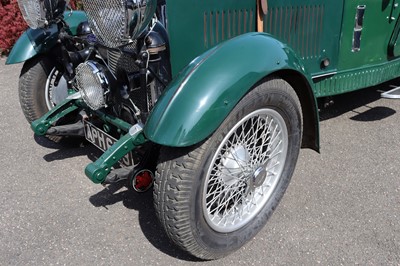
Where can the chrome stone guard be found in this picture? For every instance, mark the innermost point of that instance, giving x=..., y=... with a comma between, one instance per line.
x=98, y=170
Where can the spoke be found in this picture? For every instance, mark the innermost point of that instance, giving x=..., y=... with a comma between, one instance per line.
x=240, y=133
x=263, y=188
x=253, y=136
x=265, y=140
x=270, y=168
x=273, y=154
x=240, y=198
x=238, y=161
x=275, y=134
x=251, y=143
x=271, y=150
x=229, y=201
x=221, y=190
x=258, y=140
x=232, y=173
x=212, y=190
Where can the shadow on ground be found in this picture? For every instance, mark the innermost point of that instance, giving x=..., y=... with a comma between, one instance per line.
x=350, y=102
x=143, y=203
x=117, y=192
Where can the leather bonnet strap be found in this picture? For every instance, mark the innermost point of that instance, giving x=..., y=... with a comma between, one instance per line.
x=262, y=10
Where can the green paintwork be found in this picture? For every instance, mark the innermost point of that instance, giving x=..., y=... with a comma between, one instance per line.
x=374, y=63
x=195, y=26
x=41, y=125
x=98, y=170
x=314, y=29
x=73, y=19
x=204, y=93
x=217, y=57
x=354, y=79
x=33, y=42
x=394, y=47
x=120, y=124
x=376, y=32
x=140, y=20
x=309, y=28
x=39, y=41
x=72, y=103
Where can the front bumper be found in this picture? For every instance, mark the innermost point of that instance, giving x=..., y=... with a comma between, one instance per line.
x=98, y=170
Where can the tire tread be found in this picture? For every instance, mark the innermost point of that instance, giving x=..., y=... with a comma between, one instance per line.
x=179, y=169
x=30, y=74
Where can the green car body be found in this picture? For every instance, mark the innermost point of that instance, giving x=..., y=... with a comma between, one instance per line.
x=214, y=110
x=204, y=93
x=220, y=50
x=217, y=58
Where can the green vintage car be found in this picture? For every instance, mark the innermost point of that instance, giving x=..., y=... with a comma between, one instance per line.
x=212, y=100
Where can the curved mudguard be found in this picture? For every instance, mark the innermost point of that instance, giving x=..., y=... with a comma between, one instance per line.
x=202, y=95
x=37, y=41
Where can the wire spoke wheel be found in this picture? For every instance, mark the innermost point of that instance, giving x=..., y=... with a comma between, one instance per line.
x=215, y=196
x=245, y=170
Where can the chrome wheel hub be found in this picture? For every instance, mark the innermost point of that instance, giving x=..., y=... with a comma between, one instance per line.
x=258, y=177
x=235, y=160
x=245, y=170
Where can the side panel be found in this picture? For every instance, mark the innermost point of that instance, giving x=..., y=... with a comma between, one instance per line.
x=198, y=100
x=194, y=26
x=394, y=43
x=376, y=30
x=311, y=28
x=354, y=79
x=370, y=63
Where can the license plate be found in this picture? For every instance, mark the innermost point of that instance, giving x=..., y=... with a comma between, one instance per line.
x=103, y=141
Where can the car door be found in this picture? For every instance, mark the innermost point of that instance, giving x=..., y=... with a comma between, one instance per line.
x=394, y=20
x=367, y=30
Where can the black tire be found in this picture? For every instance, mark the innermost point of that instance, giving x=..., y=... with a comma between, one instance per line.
x=32, y=83
x=182, y=186
x=32, y=90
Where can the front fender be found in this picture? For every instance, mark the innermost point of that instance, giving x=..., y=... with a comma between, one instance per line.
x=202, y=95
x=39, y=41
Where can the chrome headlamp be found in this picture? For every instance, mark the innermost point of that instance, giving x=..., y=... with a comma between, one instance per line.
x=37, y=13
x=92, y=82
x=117, y=22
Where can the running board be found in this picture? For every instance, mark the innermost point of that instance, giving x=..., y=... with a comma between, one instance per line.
x=392, y=94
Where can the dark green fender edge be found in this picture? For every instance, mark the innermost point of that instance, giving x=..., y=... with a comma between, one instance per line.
x=38, y=41
x=202, y=95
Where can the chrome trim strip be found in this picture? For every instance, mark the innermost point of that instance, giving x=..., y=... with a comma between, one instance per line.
x=324, y=75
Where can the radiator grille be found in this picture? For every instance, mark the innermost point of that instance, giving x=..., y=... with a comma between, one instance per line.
x=107, y=21
x=119, y=60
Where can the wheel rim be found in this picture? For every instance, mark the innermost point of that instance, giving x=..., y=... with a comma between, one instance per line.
x=55, y=94
x=245, y=170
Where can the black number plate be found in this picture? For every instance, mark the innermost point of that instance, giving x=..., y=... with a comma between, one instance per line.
x=103, y=141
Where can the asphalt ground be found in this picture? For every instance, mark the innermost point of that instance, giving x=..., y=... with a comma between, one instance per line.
x=341, y=208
